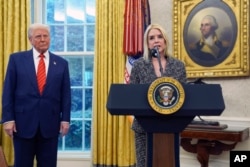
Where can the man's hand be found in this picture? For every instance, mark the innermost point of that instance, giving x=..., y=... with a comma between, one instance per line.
x=9, y=128
x=64, y=128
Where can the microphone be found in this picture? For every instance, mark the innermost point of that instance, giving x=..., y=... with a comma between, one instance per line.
x=155, y=53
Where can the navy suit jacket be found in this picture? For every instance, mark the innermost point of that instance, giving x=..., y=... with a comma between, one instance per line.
x=22, y=102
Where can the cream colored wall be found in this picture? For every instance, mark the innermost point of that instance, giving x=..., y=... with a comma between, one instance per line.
x=236, y=93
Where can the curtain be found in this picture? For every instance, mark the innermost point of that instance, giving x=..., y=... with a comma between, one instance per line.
x=113, y=140
x=14, y=21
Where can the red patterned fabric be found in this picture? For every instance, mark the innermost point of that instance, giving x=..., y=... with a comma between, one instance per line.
x=137, y=18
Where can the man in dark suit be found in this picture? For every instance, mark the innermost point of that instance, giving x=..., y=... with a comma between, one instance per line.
x=34, y=118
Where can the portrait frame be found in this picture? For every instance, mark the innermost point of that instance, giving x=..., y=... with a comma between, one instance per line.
x=233, y=32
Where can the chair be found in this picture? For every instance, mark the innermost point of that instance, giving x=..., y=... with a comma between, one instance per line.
x=3, y=162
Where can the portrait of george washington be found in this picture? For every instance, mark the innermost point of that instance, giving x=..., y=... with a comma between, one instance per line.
x=209, y=35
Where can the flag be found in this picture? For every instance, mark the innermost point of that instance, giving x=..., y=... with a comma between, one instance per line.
x=137, y=18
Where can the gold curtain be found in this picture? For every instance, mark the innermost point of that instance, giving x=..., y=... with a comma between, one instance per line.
x=14, y=21
x=113, y=140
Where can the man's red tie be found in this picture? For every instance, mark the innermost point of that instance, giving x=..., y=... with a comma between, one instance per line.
x=41, y=74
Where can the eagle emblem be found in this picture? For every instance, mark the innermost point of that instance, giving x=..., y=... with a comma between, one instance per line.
x=166, y=95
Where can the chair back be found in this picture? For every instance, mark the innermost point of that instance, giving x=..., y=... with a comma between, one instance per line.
x=3, y=162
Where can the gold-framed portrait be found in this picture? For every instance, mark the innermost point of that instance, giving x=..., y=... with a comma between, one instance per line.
x=212, y=37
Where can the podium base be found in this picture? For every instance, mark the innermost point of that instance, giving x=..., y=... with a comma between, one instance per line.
x=162, y=150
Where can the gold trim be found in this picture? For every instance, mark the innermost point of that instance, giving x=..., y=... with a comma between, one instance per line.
x=173, y=102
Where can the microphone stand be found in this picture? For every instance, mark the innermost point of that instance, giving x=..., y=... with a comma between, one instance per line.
x=155, y=53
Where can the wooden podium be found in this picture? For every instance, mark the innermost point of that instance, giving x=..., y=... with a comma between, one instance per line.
x=162, y=145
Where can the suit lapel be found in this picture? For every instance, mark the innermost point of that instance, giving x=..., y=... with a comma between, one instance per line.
x=30, y=68
x=51, y=69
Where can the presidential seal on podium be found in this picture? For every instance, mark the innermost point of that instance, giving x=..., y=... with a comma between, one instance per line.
x=166, y=95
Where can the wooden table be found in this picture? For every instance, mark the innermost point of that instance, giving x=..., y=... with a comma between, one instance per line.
x=210, y=141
